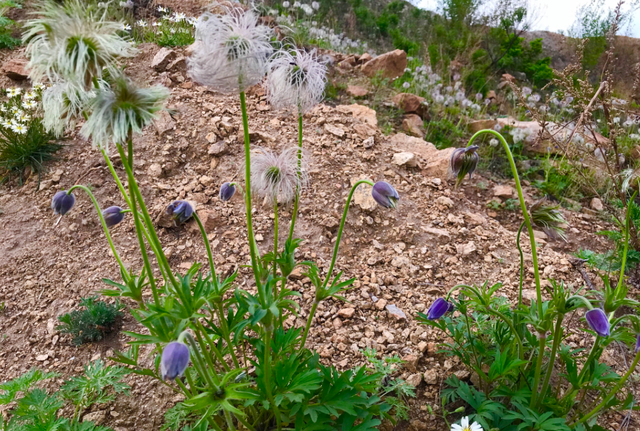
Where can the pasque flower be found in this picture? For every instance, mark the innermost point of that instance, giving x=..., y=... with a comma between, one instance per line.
x=121, y=109
x=385, y=194
x=465, y=426
x=231, y=50
x=295, y=80
x=61, y=105
x=180, y=210
x=439, y=308
x=464, y=161
x=227, y=190
x=72, y=42
x=276, y=175
x=598, y=321
x=174, y=361
x=113, y=215
x=62, y=202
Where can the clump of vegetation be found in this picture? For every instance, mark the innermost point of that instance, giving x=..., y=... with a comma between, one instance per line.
x=91, y=323
x=7, y=26
x=25, y=144
x=170, y=30
x=33, y=408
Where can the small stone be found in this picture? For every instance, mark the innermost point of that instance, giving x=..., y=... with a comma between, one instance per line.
x=422, y=346
x=217, y=149
x=445, y=201
x=346, y=313
x=42, y=358
x=381, y=304
x=335, y=131
x=16, y=69
x=410, y=362
x=164, y=123
x=155, y=170
x=337, y=323
x=97, y=418
x=211, y=137
x=430, y=377
x=414, y=379
x=357, y=91
x=162, y=59
x=503, y=191
x=405, y=159
x=396, y=312
x=413, y=125
x=596, y=204
x=369, y=142
x=466, y=249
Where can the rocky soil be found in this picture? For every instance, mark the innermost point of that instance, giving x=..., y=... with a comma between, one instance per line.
x=403, y=260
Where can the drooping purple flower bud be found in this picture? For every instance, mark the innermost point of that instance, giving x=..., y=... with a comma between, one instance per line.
x=439, y=308
x=385, y=194
x=62, y=202
x=175, y=359
x=597, y=320
x=113, y=215
x=637, y=343
x=227, y=190
x=180, y=210
x=464, y=161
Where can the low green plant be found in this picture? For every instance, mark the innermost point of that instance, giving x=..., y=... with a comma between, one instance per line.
x=170, y=31
x=527, y=376
x=31, y=408
x=7, y=26
x=93, y=322
x=25, y=144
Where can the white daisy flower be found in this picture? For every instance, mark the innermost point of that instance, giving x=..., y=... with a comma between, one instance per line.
x=464, y=425
x=3, y=108
x=20, y=129
x=39, y=86
x=125, y=27
x=179, y=16
x=141, y=23
x=155, y=24
x=25, y=117
x=7, y=124
x=162, y=9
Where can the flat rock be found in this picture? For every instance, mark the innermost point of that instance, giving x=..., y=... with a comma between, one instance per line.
x=357, y=91
x=436, y=162
x=431, y=377
x=504, y=191
x=362, y=113
x=162, y=59
x=16, y=69
x=477, y=125
x=405, y=159
x=413, y=125
x=396, y=312
x=414, y=379
x=334, y=130
x=391, y=64
x=164, y=122
x=596, y=204
x=346, y=312
x=411, y=104
x=362, y=197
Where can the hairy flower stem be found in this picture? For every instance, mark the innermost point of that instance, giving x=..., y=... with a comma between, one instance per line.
x=200, y=364
x=275, y=242
x=294, y=215
x=115, y=176
x=534, y=253
x=339, y=237
x=516, y=317
x=267, y=371
x=613, y=392
x=207, y=244
x=104, y=224
x=247, y=195
x=314, y=307
x=557, y=338
x=536, y=379
x=627, y=232
x=210, y=343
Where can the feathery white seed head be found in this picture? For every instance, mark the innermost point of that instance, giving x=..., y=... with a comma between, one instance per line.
x=121, y=108
x=275, y=176
x=295, y=81
x=73, y=43
x=62, y=103
x=231, y=50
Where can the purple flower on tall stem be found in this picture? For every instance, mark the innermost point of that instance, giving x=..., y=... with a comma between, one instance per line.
x=464, y=161
x=113, y=215
x=439, y=308
x=227, y=190
x=62, y=202
x=598, y=321
x=175, y=359
x=637, y=343
x=180, y=210
x=385, y=194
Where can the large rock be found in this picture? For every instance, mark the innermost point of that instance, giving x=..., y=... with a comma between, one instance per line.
x=360, y=112
x=162, y=59
x=435, y=162
x=413, y=125
x=357, y=91
x=411, y=104
x=362, y=196
x=477, y=125
x=391, y=64
x=16, y=69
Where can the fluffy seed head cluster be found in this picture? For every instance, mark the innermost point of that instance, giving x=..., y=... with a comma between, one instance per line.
x=120, y=109
x=71, y=42
x=276, y=176
x=231, y=50
x=550, y=219
x=62, y=103
x=295, y=81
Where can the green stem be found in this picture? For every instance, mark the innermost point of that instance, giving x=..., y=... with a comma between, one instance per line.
x=627, y=231
x=208, y=247
x=523, y=206
x=538, y=372
x=275, y=241
x=103, y=222
x=115, y=176
x=592, y=354
x=513, y=329
x=200, y=364
x=212, y=345
x=294, y=215
x=314, y=307
x=340, y=229
x=247, y=182
x=613, y=392
x=521, y=264
x=267, y=373
x=557, y=337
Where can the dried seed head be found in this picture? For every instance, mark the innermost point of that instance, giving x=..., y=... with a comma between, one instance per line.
x=231, y=50
x=276, y=176
x=550, y=219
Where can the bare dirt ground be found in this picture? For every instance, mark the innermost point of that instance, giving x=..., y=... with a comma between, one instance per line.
x=438, y=237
